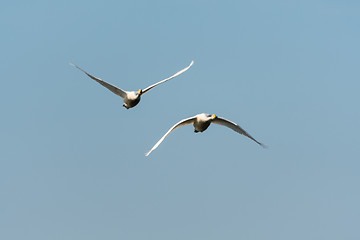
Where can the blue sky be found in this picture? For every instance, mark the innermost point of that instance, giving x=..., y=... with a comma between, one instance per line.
x=72, y=158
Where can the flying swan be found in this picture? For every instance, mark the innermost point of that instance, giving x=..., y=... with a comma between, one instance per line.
x=131, y=98
x=201, y=122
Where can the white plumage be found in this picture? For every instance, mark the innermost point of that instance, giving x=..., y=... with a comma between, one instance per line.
x=131, y=98
x=201, y=122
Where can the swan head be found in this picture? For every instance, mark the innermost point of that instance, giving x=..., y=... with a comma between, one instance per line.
x=213, y=116
x=140, y=91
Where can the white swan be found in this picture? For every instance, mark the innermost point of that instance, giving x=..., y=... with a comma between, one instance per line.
x=201, y=122
x=131, y=98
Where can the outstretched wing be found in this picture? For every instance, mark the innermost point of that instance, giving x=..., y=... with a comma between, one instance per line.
x=162, y=81
x=235, y=127
x=112, y=88
x=183, y=122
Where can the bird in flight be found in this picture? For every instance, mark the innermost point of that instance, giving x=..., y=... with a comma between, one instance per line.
x=131, y=98
x=201, y=122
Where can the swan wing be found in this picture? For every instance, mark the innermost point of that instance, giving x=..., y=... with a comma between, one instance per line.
x=167, y=79
x=183, y=122
x=112, y=88
x=235, y=127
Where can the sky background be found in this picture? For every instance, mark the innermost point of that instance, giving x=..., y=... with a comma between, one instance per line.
x=72, y=162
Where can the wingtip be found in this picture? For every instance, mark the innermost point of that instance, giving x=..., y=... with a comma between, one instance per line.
x=264, y=146
x=72, y=64
x=76, y=66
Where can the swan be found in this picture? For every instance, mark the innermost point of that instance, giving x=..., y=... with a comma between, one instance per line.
x=201, y=122
x=131, y=98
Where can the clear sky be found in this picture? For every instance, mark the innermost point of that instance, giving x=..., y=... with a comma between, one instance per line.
x=72, y=162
